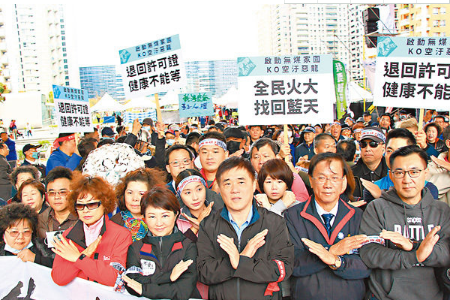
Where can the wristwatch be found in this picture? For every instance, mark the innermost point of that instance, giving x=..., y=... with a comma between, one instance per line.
x=337, y=264
x=82, y=256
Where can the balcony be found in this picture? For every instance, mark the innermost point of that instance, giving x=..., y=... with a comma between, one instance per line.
x=404, y=11
x=4, y=60
x=2, y=32
x=3, y=47
x=404, y=22
x=1, y=18
x=6, y=73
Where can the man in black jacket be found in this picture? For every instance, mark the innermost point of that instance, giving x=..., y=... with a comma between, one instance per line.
x=324, y=232
x=244, y=251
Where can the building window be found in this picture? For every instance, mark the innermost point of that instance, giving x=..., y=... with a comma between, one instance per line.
x=436, y=11
x=436, y=23
x=442, y=22
x=443, y=10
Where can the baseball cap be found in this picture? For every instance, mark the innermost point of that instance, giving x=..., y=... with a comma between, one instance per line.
x=107, y=131
x=374, y=134
x=30, y=146
x=360, y=119
x=309, y=129
x=233, y=132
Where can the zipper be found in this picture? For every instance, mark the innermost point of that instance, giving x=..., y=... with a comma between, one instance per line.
x=160, y=249
x=238, y=279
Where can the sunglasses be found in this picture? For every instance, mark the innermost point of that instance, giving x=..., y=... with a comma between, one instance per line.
x=90, y=206
x=372, y=144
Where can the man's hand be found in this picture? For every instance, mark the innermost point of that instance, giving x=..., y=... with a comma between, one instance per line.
x=238, y=153
x=347, y=244
x=285, y=150
x=427, y=245
x=317, y=249
x=399, y=240
x=255, y=243
x=160, y=129
x=372, y=188
x=136, y=127
x=227, y=244
x=357, y=203
x=440, y=162
x=263, y=201
x=90, y=250
x=26, y=255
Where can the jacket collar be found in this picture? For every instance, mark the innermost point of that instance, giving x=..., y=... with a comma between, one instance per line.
x=174, y=237
x=344, y=214
x=255, y=217
x=77, y=233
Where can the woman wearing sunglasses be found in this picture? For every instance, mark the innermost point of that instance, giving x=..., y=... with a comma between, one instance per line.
x=18, y=223
x=166, y=257
x=129, y=191
x=87, y=249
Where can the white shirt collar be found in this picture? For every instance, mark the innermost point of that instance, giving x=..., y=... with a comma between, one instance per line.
x=322, y=211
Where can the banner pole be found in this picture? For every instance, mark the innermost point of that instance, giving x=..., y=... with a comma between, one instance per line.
x=158, y=108
x=420, y=125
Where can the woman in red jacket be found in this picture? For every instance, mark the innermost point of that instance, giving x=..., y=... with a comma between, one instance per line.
x=87, y=249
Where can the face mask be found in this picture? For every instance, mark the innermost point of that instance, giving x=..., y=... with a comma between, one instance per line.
x=170, y=142
x=233, y=146
x=35, y=155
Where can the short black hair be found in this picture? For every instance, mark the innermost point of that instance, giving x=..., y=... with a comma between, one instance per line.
x=192, y=137
x=263, y=142
x=347, y=149
x=435, y=125
x=14, y=212
x=105, y=142
x=58, y=172
x=64, y=135
x=213, y=135
x=174, y=148
x=322, y=136
x=401, y=133
x=235, y=162
x=406, y=151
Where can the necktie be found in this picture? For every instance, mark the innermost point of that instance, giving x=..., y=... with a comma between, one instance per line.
x=327, y=220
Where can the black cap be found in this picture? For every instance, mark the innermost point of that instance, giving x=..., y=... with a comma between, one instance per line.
x=148, y=121
x=233, y=132
x=107, y=131
x=29, y=146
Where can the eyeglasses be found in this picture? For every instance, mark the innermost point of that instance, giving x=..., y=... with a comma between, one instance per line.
x=90, y=206
x=323, y=179
x=372, y=144
x=399, y=174
x=177, y=163
x=15, y=233
x=60, y=193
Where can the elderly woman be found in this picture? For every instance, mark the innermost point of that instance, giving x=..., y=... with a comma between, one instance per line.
x=87, y=249
x=19, y=175
x=275, y=179
x=129, y=191
x=433, y=131
x=18, y=223
x=32, y=193
x=166, y=257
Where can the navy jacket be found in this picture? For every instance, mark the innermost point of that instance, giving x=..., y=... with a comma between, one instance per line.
x=312, y=278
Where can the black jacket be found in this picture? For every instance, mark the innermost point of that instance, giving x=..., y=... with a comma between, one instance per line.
x=312, y=278
x=160, y=255
x=360, y=170
x=44, y=256
x=271, y=263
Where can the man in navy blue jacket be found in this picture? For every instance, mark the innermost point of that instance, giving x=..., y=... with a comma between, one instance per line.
x=324, y=233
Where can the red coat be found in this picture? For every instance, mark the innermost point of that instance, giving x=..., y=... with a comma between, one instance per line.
x=112, y=248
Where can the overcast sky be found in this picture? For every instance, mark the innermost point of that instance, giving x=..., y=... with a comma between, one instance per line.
x=209, y=30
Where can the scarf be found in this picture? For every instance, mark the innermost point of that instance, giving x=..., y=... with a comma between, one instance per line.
x=137, y=227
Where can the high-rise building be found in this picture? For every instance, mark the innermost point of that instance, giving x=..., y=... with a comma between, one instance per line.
x=99, y=80
x=423, y=19
x=215, y=76
x=303, y=29
x=34, y=47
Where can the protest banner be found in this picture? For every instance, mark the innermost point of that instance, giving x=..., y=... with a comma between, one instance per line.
x=340, y=86
x=32, y=281
x=195, y=105
x=413, y=72
x=285, y=90
x=152, y=68
x=73, y=113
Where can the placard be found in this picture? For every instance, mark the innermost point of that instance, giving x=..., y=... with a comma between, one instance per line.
x=195, y=105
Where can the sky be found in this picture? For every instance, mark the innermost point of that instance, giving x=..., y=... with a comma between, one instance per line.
x=209, y=30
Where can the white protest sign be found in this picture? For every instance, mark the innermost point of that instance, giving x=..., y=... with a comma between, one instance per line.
x=73, y=113
x=413, y=72
x=152, y=67
x=285, y=90
x=32, y=281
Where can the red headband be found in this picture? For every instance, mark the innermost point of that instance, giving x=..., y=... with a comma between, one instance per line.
x=62, y=139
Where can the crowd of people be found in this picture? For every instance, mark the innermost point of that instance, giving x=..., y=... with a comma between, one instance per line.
x=355, y=209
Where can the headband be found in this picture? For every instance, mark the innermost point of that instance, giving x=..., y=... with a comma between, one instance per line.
x=62, y=139
x=187, y=180
x=357, y=130
x=367, y=133
x=215, y=142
